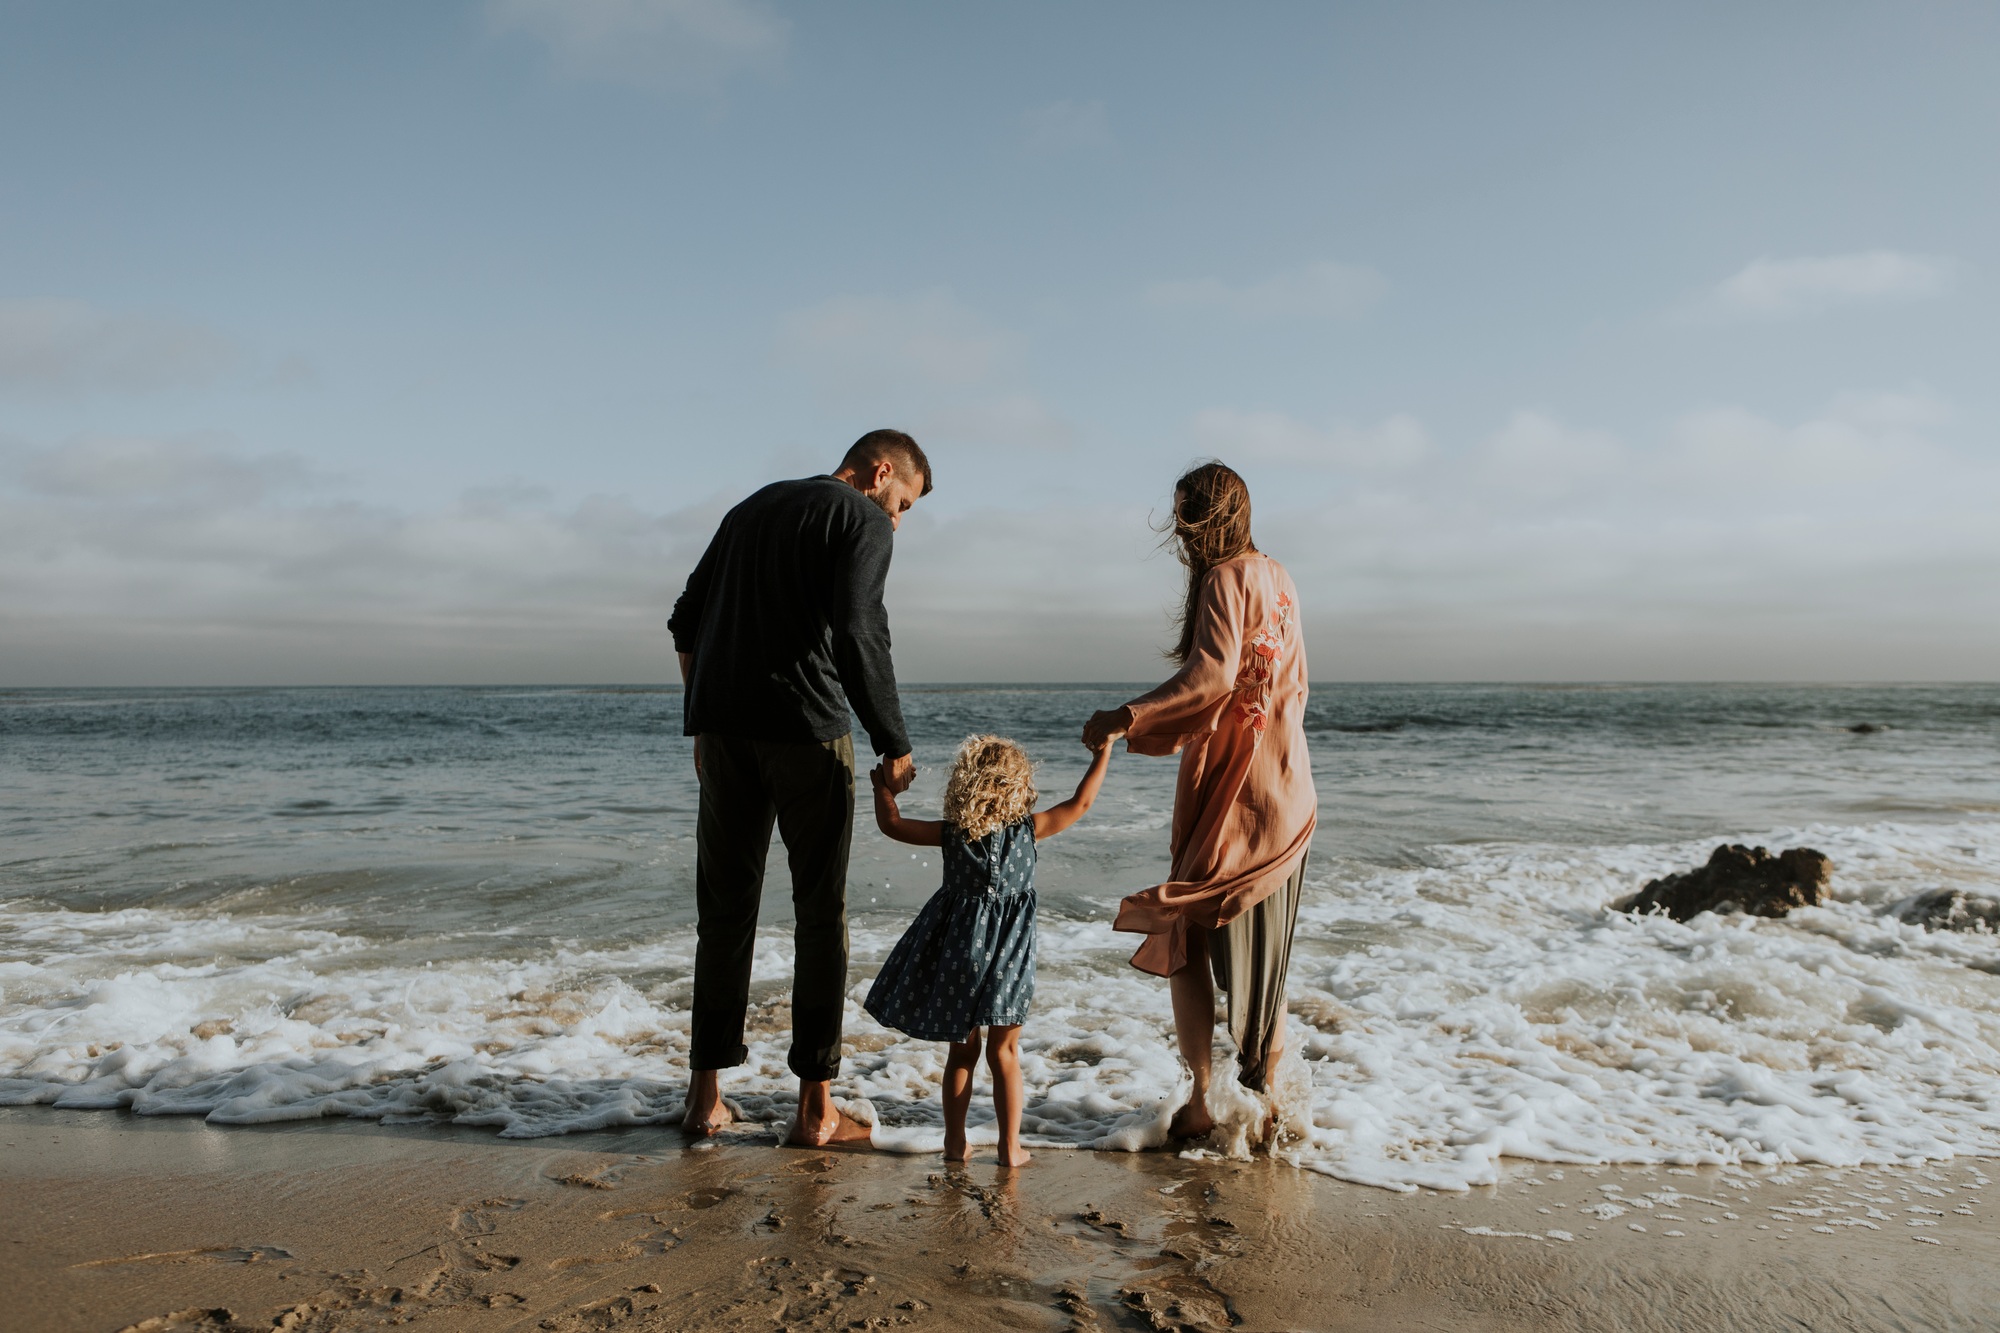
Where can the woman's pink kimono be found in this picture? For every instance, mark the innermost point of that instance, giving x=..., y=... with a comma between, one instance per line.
x=1244, y=806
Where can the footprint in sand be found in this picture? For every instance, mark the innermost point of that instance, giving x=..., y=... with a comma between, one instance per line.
x=206, y=1254
x=605, y=1313
x=812, y=1166
x=1093, y=1218
x=473, y=1226
x=1180, y=1300
x=483, y=1218
x=707, y=1198
x=647, y=1244
x=192, y=1321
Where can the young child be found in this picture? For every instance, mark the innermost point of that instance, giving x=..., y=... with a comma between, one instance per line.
x=968, y=961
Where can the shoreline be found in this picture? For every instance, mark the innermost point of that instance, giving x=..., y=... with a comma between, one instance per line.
x=157, y=1225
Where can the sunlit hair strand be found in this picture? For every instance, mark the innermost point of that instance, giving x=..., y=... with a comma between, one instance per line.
x=1210, y=524
x=992, y=785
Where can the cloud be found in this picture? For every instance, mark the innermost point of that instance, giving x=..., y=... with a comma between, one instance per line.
x=1538, y=454
x=140, y=468
x=204, y=563
x=1781, y=288
x=688, y=44
x=1847, y=542
x=1064, y=127
x=940, y=367
x=189, y=559
x=1009, y=420
x=70, y=347
x=876, y=344
x=1059, y=592
x=1859, y=439
x=1905, y=413
x=1273, y=437
x=1318, y=290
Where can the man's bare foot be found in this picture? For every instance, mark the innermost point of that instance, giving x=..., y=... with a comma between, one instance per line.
x=706, y=1111
x=821, y=1124
x=956, y=1149
x=1192, y=1121
x=841, y=1131
x=1015, y=1156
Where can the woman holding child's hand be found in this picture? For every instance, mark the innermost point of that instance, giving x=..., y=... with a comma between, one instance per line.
x=1244, y=805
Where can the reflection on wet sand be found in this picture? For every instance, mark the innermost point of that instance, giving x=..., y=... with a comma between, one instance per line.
x=334, y=1226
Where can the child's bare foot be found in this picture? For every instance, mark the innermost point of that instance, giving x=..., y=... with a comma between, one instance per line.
x=1015, y=1156
x=955, y=1147
x=1192, y=1121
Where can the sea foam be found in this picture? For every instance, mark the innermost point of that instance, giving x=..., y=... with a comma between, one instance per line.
x=1484, y=1005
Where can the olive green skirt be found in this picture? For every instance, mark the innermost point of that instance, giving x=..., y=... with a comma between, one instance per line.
x=1250, y=957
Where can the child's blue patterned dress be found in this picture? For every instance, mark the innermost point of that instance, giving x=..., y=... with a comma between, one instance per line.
x=968, y=960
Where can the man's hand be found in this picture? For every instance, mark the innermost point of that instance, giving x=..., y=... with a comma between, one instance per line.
x=1106, y=726
x=898, y=774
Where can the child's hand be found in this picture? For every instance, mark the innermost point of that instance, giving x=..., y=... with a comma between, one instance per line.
x=885, y=795
x=1106, y=726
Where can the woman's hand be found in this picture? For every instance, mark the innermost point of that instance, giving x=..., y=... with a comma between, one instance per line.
x=1106, y=726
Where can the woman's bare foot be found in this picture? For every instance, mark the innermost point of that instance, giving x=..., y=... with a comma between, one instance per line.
x=1192, y=1121
x=955, y=1147
x=1015, y=1156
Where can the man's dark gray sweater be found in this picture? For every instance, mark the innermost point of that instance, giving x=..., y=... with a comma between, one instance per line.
x=784, y=614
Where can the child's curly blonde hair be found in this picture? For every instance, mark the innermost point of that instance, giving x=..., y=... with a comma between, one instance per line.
x=992, y=785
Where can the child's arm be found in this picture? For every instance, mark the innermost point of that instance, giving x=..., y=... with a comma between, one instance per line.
x=916, y=832
x=1056, y=818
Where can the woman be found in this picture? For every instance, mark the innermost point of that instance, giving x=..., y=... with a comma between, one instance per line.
x=1244, y=806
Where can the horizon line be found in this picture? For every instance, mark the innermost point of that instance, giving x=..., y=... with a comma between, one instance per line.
x=669, y=687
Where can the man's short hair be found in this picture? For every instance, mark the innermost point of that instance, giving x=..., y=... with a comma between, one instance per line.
x=892, y=447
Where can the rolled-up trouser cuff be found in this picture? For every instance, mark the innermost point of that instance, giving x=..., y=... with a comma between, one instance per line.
x=700, y=1060
x=815, y=1066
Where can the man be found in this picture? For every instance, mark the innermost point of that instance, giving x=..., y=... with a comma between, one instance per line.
x=780, y=629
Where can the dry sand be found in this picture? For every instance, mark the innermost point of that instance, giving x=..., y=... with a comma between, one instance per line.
x=111, y=1222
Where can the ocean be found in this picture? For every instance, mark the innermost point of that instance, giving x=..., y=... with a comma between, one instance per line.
x=476, y=906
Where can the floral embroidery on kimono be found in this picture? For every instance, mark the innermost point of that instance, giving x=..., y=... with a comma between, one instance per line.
x=1261, y=656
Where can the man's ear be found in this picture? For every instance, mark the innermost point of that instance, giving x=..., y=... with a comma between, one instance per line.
x=883, y=472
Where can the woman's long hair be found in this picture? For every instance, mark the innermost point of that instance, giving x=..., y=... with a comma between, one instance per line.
x=992, y=785
x=1211, y=524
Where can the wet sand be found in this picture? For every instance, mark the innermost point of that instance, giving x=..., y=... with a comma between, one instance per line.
x=113, y=1222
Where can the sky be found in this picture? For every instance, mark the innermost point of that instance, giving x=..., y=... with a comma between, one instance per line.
x=377, y=343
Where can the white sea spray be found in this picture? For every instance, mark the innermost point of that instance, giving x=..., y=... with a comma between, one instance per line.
x=1480, y=1006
